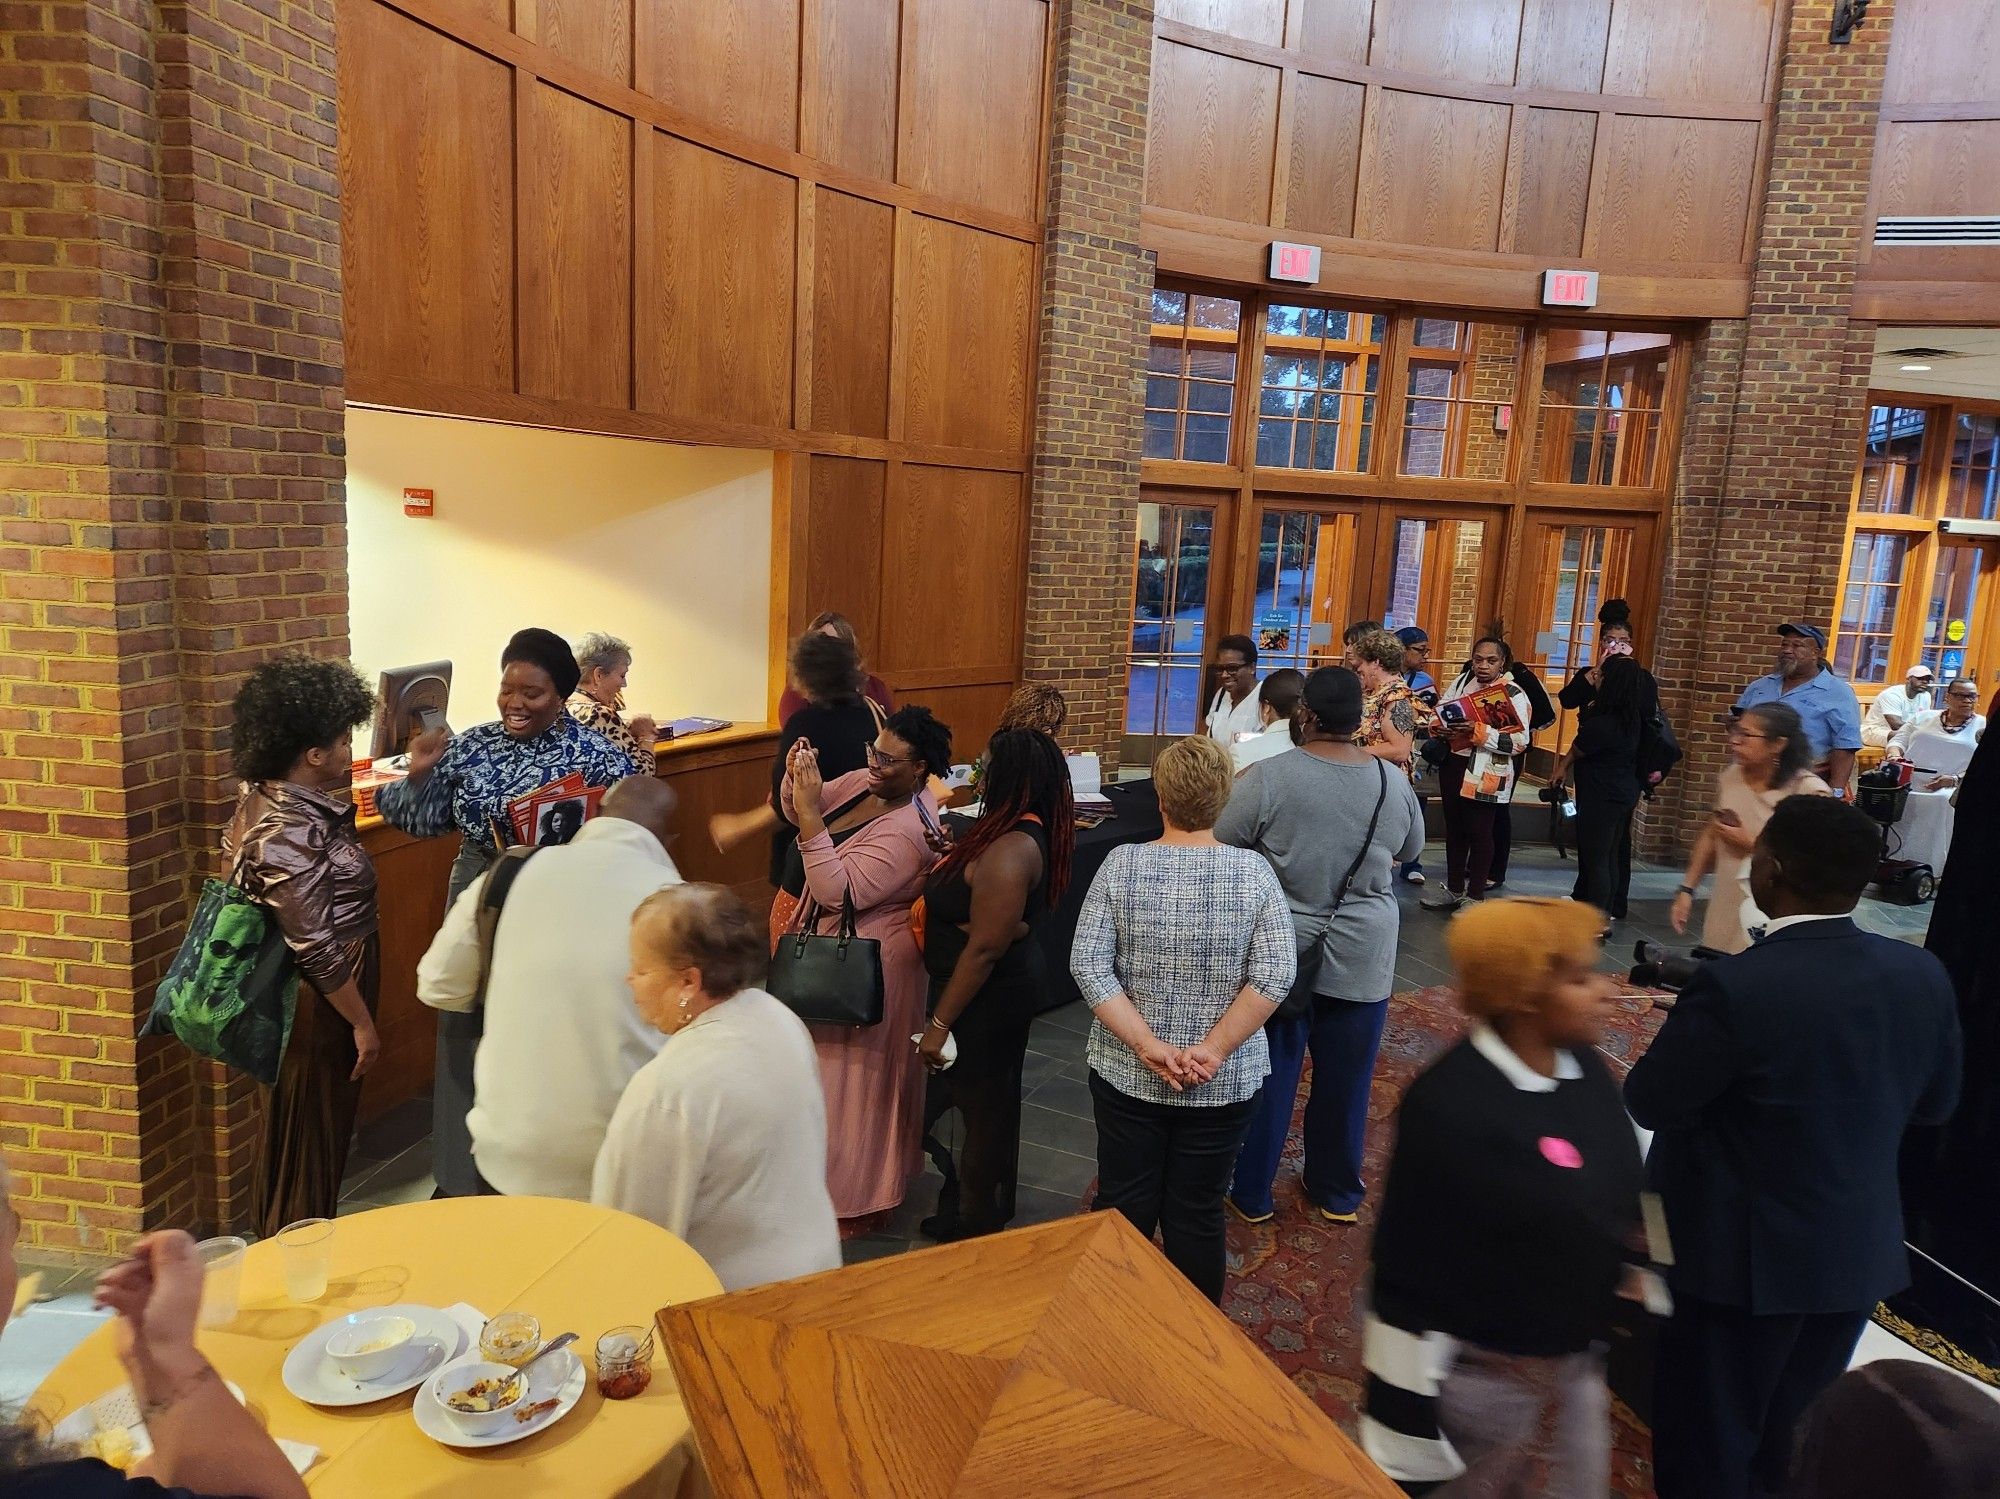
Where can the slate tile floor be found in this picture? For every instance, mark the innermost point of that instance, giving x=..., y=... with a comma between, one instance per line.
x=391, y=1160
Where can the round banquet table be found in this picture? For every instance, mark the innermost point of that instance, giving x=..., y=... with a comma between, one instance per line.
x=577, y=1268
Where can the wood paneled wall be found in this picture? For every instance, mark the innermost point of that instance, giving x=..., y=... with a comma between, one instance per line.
x=1450, y=150
x=809, y=225
x=1937, y=153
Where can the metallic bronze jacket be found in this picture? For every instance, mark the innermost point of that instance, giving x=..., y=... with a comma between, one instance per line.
x=294, y=851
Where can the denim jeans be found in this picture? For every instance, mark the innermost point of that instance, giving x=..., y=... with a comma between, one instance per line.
x=1343, y=1036
x=1167, y=1165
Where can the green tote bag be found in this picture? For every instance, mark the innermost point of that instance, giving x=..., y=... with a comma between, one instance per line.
x=230, y=991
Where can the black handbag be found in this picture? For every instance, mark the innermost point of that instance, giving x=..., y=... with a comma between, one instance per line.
x=1298, y=999
x=834, y=980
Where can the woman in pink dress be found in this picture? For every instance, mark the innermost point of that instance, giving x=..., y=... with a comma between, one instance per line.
x=871, y=834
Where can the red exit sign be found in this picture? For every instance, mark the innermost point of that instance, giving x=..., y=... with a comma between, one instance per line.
x=1291, y=262
x=1569, y=288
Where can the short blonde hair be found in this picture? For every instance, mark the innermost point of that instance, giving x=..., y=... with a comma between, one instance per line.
x=1192, y=777
x=707, y=928
x=1505, y=951
x=1383, y=648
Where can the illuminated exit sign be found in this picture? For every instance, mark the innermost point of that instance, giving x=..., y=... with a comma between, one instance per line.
x=1569, y=288
x=1294, y=262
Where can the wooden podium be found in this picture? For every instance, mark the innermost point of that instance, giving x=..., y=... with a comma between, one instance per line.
x=1064, y=1359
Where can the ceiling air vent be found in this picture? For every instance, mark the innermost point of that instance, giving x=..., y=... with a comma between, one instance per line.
x=1923, y=352
x=1947, y=229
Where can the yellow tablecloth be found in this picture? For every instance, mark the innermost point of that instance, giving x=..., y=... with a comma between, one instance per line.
x=578, y=1268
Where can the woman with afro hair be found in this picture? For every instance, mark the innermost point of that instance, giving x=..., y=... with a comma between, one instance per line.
x=292, y=848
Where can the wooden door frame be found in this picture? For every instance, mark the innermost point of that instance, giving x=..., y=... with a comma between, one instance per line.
x=1493, y=551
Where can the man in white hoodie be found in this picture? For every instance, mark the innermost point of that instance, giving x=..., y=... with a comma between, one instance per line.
x=562, y=1035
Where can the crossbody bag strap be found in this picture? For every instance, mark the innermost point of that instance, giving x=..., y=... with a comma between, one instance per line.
x=1367, y=839
x=494, y=889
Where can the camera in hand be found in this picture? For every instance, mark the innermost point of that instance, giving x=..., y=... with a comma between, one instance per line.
x=1657, y=967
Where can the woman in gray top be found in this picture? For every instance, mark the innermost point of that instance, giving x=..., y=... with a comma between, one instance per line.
x=1183, y=950
x=1309, y=812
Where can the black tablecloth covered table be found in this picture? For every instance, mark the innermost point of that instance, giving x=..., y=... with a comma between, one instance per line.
x=1137, y=820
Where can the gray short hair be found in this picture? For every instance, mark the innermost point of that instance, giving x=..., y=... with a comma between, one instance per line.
x=600, y=652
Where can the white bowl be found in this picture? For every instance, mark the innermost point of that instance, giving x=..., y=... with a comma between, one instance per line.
x=460, y=1377
x=370, y=1344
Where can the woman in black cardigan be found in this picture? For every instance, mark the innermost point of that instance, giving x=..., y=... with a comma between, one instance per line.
x=1507, y=1216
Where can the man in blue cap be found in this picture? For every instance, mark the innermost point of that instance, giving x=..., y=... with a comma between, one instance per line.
x=1825, y=704
x=1416, y=657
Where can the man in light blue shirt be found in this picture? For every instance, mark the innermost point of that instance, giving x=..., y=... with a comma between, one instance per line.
x=1825, y=704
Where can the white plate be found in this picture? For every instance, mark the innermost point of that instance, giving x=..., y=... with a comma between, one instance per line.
x=559, y=1377
x=313, y=1376
x=119, y=1407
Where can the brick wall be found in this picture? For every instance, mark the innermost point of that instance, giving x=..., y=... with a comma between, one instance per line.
x=1089, y=397
x=1779, y=401
x=170, y=364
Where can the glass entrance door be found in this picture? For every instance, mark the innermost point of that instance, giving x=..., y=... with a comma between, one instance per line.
x=1170, y=603
x=1442, y=572
x=1577, y=564
x=1301, y=588
x=1955, y=635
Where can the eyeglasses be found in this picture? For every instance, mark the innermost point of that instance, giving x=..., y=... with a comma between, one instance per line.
x=876, y=757
x=1226, y=666
x=1737, y=731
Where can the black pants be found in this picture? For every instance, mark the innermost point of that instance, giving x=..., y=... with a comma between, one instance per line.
x=1468, y=832
x=1503, y=842
x=1603, y=853
x=1167, y=1165
x=984, y=1086
x=1729, y=1387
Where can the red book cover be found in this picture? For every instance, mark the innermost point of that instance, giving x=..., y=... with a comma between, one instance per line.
x=1491, y=706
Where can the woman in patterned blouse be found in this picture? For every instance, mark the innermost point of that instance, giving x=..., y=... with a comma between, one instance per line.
x=1183, y=950
x=1393, y=719
x=603, y=662
x=467, y=783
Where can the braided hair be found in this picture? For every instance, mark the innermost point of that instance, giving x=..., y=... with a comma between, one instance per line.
x=1025, y=775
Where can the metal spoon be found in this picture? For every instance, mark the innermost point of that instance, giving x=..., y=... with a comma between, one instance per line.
x=521, y=1374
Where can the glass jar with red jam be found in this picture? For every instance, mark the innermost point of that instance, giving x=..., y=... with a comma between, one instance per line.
x=624, y=1362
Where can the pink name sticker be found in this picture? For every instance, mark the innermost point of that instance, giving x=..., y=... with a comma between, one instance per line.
x=1560, y=1153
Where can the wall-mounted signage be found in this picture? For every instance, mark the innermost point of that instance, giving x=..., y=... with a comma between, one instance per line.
x=419, y=502
x=1294, y=262
x=1569, y=288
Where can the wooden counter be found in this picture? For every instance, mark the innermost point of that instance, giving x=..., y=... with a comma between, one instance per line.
x=725, y=771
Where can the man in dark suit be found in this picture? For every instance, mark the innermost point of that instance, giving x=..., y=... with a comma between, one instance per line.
x=1780, y=1087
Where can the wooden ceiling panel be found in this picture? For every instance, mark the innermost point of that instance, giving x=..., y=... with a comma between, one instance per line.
x=974, y=131
x=1944, y=52
x=576, y=251
x=720, y=263
x=1473, y=40
x=1253, y=20
x=952, y=544
x=1325, y=153
x=1562, y=44
x=1555, y=182
x=733, y=63
x=427, y=173
x=1689, y=49
x=1937, y=167
x=1676, y=191
x=968, y=309
x=849, y=86
x=593, y=34
x=1213, y=124
x=1336, y=29
x=1435, y=173
x=853, y=258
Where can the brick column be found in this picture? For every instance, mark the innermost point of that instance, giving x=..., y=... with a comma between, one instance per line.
x=1779, y=400
x=170, y=360
x=1090, y=397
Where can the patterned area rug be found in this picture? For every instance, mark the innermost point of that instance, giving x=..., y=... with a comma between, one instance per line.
x=1295, y=1282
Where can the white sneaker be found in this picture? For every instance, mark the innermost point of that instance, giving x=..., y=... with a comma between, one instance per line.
x=1414, y=876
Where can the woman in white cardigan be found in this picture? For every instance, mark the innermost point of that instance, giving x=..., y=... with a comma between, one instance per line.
x=721, y=1138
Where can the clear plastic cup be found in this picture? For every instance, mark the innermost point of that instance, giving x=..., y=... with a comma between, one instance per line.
x=222, y=1286
x=512, y=1338
x=307, y=1249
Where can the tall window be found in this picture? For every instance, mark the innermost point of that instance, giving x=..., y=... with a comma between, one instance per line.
x=1458, y=399
x=1316, y=398
x=1578, y=567
x=1602, y=395
x=1975, y=459
x=1869, y=599
x=1890, y=459
x=1191, y=376
x=1163, y=693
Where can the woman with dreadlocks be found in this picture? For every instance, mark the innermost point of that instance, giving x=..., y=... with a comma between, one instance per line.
x=981, y=908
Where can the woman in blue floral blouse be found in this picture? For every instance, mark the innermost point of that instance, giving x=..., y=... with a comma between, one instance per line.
x=467, y=783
